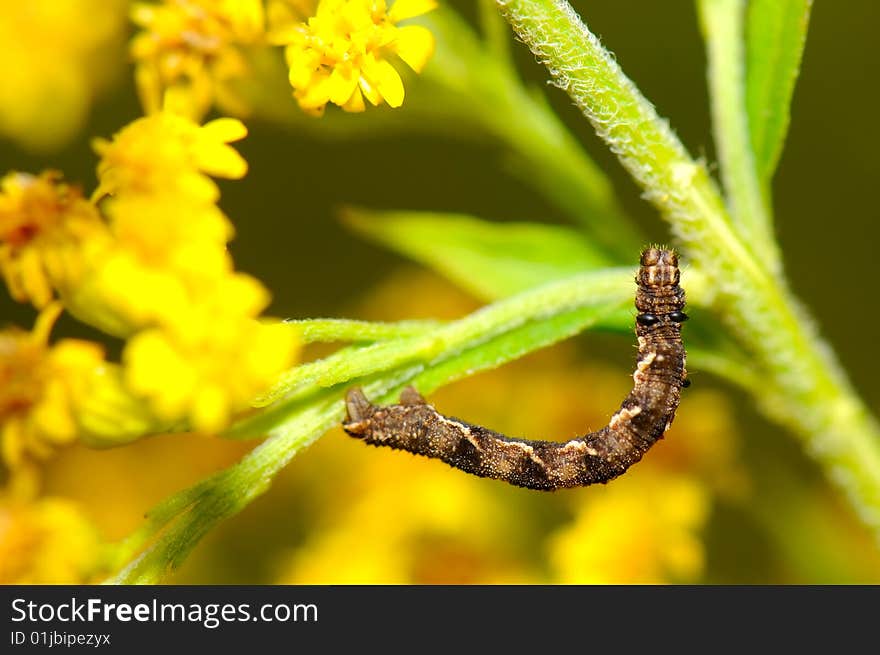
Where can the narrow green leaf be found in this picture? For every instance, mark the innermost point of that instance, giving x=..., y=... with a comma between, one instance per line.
x=339, y=329
x=520, y=341
x=345, y=364
x=723, y=25
x=775, y=37
x=492, y=260
x=495, y=32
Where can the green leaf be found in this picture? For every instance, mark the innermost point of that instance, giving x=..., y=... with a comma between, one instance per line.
x=514, y=344
x=775, y=37
x=492, y=260
x=722, y=22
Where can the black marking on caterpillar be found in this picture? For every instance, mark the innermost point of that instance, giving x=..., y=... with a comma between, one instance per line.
x=643, y=417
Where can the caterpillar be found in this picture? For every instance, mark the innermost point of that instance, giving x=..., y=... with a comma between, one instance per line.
x=644, y=416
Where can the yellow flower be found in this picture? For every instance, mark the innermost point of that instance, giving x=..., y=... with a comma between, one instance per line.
x=57, y=56
x=169, y=236
x=48, y=234
x=643, y=529
x=168, y=154
x=341, y=54
x=167, y=281
x=207, y=368
x=165, y=256
x=189, y=51
x=47, y=542
x=40, y=387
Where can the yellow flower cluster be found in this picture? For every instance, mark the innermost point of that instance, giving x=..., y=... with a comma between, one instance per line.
x=57, y=55
x=190, y=50
x=48, y=232
x=40, y=387
x=171, y=277
x=191, y=53
x=169, y=237
x=341, y=54
x=146, y=259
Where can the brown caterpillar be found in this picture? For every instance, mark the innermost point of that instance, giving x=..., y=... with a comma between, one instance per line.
x=643, y=417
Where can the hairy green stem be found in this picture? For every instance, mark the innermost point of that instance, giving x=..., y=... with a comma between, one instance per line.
x=804, y=387
x=723, y=27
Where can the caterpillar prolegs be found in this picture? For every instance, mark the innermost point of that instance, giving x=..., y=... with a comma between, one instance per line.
x=643, y=417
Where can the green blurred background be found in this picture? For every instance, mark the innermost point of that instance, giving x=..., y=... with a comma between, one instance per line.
x=285, y=212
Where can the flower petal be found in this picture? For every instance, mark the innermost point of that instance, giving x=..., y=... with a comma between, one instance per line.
x=355, y=103
x=343, y=83
x=403, y=9
x=370, y=92
x=415, y=45
x=317, y=94
x=225, y=130
x=386, y=80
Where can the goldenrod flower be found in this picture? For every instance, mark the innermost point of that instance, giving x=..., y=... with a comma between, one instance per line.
x=48, y=233
x=57, y=56
x=189, y=51
x=47, y=542
x=40, y=386
x=167, y=154
x=207, y=369
x=341, y=54
x=200, y=354
x=166, y=255
x=169, y=237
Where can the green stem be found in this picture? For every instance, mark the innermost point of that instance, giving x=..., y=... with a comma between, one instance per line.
x=804, y=388
x=722, y=22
